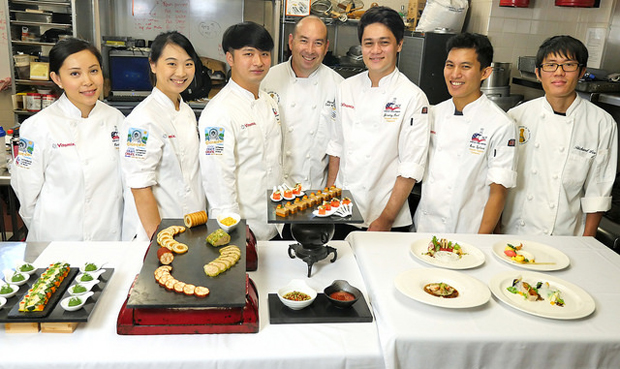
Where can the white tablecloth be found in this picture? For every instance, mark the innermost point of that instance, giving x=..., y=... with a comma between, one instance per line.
x=494, y=335
x=96, y=345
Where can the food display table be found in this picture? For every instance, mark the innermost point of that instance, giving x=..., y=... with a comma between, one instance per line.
x=493, y=335
x=97, y=345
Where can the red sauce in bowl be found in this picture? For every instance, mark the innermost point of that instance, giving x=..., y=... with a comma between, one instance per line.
x=342, y=296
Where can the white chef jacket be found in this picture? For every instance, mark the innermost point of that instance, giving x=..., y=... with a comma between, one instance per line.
x=159, y=147
x=380, y=133
x=467, y=153
x=66, y=175
x=567, y=167
x=306, y=111
x=240, y=155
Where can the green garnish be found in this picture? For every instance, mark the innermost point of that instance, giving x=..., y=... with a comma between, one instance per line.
x=78, y=288
x=17, y=277
x=90, y=267
x=86, y=278
x=6, y=289
x=512, y=289
x=26, y=267
x=75, y=301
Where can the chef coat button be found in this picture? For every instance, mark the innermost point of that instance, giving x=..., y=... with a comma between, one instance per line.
x=285, y=176
x=443, y=220
x=288, y=153
x=530, y=197
x=311, y=132
x=290, y=129
x=313, y=107
x=552, y=206
x=308, y=156
x=164, y=136
x=315, y=83
x=545, y=231
x=438, y=148
x=449, y=187
x=293, y=105
x=522, y=223
x=424, y=212
x=306, y=179
x=349, y=152
x=536, y=145
x=432, y=180
x=534, y=171
x=562, y=149
x=555, y=176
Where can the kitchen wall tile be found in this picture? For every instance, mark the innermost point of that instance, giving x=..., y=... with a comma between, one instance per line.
x=510, y=25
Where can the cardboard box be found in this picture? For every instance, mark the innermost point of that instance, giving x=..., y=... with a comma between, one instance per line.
x=39, y=71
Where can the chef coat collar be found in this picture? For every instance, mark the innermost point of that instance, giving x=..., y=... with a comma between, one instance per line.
x=471, y=107
x=71, y=110
x=578, y=100
x=163, y=99
x=291, y=71
x=384, y=81
x=242, y=91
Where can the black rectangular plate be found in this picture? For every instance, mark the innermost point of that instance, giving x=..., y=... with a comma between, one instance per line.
x=321, y=311
x=226, y=290
x=53, y=312
x=306, y=216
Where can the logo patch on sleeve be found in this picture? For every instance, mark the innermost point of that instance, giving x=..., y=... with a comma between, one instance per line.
x=424, y=110
x=214, y=140
x=24, y=156
x=136, y=143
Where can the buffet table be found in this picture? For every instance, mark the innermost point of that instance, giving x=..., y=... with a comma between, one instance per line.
x=95, y=344
x=493, y=335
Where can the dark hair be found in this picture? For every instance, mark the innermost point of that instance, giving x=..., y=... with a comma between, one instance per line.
x=245, y=34
x=70, y=46
x=564, y=46
x=478, y=42
x=386, y=16
x=165, y=38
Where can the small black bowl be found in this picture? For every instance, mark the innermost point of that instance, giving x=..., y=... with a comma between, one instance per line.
x=340, y=285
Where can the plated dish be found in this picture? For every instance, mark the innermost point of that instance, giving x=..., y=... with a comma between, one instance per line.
x=471, y=256
x=576, y=302
x=540, y=257
x=415, y=283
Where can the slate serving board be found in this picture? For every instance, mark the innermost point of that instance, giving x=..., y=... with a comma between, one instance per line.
x=226, y=290
x=321, y=311
x=53, y=312
x=306, y=216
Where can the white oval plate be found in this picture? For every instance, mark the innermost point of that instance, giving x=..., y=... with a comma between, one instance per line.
x=473, y=258
x=577, y=302
x=327, y=213
x=472, y=292
x=542, y=254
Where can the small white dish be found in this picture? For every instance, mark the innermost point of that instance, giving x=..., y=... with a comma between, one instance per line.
x=297, y=285
x=87, y=285
x=91, y=267
x=229, y=228
x=83, y=277
x=24, y=267
x=14, y=289
x=64, y=303
x=2, y=301
x=274, y=200
x=10, y=274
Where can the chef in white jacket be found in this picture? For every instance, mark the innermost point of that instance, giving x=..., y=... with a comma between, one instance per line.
x=472, y=155
x=305, y=91
x=66, y=174
x=567, y=151
x=240, y=138
x=159, y=144
x=380, y=144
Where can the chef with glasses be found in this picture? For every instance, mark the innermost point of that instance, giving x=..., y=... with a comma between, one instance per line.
x=567, y=151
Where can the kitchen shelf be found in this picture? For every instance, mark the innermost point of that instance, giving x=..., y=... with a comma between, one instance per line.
x=42, y=2
x=32, y=43
x=40, y=24
x=32, y=82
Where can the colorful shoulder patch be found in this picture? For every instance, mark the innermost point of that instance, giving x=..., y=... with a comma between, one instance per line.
x=214, y=140
x=136, y=143
x=24, y=156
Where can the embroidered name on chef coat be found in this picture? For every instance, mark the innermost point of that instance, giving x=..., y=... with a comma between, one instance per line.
x=478, y=143
x=391, y=112
x=24, y=155
x=214, y=140
x=136, y=143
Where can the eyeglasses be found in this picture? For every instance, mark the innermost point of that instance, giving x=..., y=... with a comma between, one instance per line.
x=566, y=67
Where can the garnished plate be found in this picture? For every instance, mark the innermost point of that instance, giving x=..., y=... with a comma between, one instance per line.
x=546, y=258
x=471, y=258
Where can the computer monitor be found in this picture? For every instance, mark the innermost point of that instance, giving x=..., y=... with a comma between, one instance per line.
x=129, y=74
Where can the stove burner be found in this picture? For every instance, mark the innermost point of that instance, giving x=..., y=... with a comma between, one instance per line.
x=311, y=255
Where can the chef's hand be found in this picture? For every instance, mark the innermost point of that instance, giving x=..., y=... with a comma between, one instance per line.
x=381, y=224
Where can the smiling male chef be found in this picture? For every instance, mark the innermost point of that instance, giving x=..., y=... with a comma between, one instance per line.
x=305, y=90
x=240, y=138
x=472, y=156
x=380, y=144
x=567, y=151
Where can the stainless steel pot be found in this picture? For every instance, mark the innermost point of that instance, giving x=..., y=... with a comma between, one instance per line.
x=499, y=77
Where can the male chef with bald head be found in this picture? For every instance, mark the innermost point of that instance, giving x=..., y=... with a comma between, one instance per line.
x=305, y=90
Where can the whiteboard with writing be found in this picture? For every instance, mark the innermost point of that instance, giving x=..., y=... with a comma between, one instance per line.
x=202, y=21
